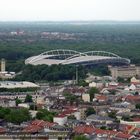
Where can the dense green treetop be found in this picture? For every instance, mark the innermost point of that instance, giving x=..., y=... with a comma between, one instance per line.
x=122, y=39
x=15, y=116
x=90, y=111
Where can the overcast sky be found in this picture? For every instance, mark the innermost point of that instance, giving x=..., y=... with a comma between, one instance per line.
x=60, y=10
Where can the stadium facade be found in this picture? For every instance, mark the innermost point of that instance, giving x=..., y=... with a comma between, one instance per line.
x=64, y=57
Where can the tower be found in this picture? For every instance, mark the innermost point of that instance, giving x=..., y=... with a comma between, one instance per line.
x=77, y=75
x=2, y=65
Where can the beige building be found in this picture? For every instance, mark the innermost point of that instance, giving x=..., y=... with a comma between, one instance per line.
x=3, y=73
x=125, y=71
x=82, y=111
x=86, y=97
x=2, y=65
x=134, y=80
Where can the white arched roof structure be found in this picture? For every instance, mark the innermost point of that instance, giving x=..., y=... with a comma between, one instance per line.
x=64, y=57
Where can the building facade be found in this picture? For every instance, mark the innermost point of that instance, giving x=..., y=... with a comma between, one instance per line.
x=125, y=71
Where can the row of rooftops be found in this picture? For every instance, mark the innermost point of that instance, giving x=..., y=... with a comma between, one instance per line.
x=125, y=132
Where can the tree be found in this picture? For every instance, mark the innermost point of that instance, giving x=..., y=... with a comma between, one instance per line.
x=120, y=80
x=103, y=127
x=39, y=115
x=123, y=80
x=92, y=92
x=70, y=97
x=112, y=114
x=28, y=99
x=126, y=118
x=4, y=112
x=113, y=92
x=18, y=101
x=33, y=107
x=82, y=83
x=72, y=117
x=90, y=111
x=45, y=115
x=80, y=137
x=17, y=116
x=137, y=106
x=136, y=93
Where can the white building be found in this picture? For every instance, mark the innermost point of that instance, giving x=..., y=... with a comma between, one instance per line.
x=86, y=97
x=60, y=119
x=25, y=105
x=12, y=85
x=97, y=85
x=134, y=80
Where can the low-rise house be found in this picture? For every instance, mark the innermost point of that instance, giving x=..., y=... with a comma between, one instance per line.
x=60, y=119
x=101, y=98
x=82, y=111
x=84, y=129
x=122, y=107
x=134, y=81
x=4, y=102
x=132, y=98
x=49, y=100
x=100, y=119
x=2, y=130
x=86, y=97
x=96, y=133
x=125, y=128
x=123, y=136
x=78, y=91
x=37, y=126
x=134, y=123
x=96, y=84
x=73, y=123
x=25, y=105
x=105, y=91
x=135, y=112
x=132, y=87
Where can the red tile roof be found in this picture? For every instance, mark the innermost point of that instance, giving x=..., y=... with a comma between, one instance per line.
x=88, y=129
x=136, y=119
x=84, y=129
x=2, y=130
x=108, y=132
x=131, y=97
x=67, y=112
x=32, y=129
x=75, y=90
x=101, y=97
x=123, y=136
x=37, y=125
x=127, y=129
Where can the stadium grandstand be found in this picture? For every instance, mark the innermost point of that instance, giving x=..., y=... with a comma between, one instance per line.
x=64, y=57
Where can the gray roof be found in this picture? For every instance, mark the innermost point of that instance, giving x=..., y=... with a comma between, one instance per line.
x=99, y=118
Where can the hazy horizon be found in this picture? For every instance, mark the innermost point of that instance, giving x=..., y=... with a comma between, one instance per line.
x=70, y=10
x=70, y=20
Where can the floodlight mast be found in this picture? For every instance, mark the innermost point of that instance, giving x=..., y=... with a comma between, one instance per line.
x=77, y=74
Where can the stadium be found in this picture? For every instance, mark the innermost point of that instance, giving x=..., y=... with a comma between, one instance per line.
x=66, y=57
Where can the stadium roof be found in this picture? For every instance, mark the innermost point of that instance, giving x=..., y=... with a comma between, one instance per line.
x=64, y=57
